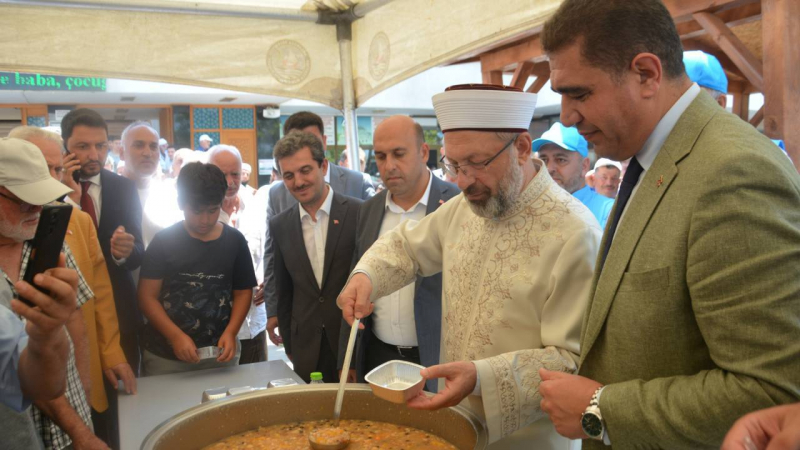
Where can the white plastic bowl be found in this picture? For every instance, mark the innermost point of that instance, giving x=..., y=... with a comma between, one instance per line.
x=396, y=381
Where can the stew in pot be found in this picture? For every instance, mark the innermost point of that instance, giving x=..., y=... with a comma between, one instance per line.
x=364, y=435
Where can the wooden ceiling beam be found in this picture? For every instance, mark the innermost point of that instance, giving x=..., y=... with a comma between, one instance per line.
x=521, y=74
x=749, y=64
x=739, y=15
x=758, y=117
x=542, y=72
x=682, y=10
x=529, y=49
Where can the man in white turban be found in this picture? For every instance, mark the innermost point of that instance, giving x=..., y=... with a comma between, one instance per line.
x=516, y=253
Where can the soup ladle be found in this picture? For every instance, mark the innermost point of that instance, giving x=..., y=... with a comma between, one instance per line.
x=335, y=438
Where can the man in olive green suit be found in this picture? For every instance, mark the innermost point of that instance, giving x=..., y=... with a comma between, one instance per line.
x=695, y=313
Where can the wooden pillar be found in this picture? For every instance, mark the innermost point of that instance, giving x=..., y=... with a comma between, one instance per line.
x=165, y=124
x=780, y=35
x=741, y=105
x=493, y=77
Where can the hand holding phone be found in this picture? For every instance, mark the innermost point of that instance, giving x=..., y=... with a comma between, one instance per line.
x=47, y=242
x=47, y=313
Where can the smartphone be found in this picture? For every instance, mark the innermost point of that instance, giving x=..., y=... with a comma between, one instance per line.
x=47, y=242
x=76, y=175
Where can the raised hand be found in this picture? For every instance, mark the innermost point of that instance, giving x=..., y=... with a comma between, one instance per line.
x=71, y=164
x=121, y=243
x=354, y=299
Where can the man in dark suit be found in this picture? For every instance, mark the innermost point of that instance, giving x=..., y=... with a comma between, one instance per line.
x=113, y=203
x=407, y=326
x=313, y=247
x=343, y=181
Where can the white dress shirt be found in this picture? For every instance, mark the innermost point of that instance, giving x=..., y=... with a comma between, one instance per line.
x=660, y=133
x=393, y=316
x=315, y=233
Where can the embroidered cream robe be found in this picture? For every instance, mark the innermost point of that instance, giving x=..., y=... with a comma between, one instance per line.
x=514, y=293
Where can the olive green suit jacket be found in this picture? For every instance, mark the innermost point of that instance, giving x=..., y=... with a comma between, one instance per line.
x=695, y=318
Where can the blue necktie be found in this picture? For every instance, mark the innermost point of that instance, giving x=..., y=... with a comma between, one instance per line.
x=626, y=188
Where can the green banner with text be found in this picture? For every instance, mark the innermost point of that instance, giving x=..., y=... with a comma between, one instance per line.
x=16, y=81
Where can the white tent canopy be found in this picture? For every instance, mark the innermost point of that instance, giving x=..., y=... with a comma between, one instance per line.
x=336, y=52
x=273, y=47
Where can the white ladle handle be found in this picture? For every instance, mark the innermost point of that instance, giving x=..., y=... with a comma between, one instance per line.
x=337, y=409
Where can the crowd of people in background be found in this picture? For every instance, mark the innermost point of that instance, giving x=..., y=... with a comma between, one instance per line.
x=492, y=270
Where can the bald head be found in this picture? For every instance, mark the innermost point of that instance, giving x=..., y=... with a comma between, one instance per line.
x=401, y=155
x=401, y=125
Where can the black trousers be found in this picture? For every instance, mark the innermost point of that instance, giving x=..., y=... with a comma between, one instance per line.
x=130, y=343
x=326, y=362
x=379, y=352
x=106, y=423
x=254, y=350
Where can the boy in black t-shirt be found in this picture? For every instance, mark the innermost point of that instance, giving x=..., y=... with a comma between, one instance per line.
x=196, y=281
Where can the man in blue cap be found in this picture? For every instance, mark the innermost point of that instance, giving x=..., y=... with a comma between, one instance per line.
x=706, y=71
x=565, y=152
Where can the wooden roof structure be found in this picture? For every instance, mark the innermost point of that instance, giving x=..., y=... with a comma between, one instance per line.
x=755, y=40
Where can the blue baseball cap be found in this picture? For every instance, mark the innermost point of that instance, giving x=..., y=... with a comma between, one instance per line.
x=705, y=70
x=566, y=138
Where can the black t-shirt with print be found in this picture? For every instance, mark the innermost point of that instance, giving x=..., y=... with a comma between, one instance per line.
x=198, y=280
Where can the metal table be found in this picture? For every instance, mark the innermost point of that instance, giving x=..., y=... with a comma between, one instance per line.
x=161, y=397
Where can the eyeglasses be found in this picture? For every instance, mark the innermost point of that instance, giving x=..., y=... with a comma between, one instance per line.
x=23, y=206
x=472, y=169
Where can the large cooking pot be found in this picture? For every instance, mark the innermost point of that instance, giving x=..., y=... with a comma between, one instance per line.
x=219, y=419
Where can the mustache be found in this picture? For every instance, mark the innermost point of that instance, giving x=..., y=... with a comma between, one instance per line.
x=300, y=188
x=475, y=189
x=31, y=217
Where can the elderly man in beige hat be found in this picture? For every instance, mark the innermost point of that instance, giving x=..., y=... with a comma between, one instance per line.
x=26, y=185
x=516, y=253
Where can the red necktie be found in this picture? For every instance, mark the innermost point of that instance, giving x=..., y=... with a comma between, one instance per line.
x=87, y=205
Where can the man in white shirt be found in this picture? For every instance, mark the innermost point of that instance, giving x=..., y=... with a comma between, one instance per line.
x=313, y=244
x=140, y=151
x=407, y=325
x=245, y=188
x=252, y=335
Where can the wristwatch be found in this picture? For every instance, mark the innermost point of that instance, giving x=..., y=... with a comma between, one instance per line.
x=591, y=419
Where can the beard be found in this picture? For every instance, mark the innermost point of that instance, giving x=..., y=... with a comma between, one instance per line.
x=18, y=231
x=574, y=184
x=508, y=192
